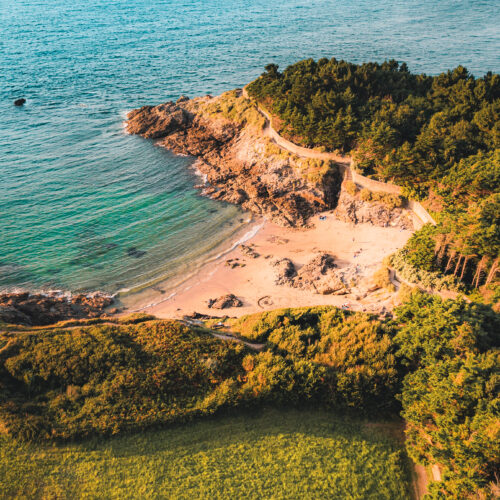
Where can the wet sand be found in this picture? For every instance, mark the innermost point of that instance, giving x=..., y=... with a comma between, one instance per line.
x=359, y=246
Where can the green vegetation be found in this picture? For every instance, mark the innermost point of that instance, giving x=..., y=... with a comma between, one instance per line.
x=437, y=136
x=450, y=396
x=381, y=278
x=436, y=363
x=416, y=262
x=269, y=454
x=390, y=200
x=342, y=359
x=231, y=106
x=104, y=379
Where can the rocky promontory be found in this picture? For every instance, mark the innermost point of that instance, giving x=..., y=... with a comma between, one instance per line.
x=239, y=163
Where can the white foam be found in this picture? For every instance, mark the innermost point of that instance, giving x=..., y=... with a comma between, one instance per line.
x=178, y=289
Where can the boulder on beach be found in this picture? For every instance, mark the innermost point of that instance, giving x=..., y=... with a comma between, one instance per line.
x=318, y=275
x=285, y=271
x=249, y=251
x=224, y=302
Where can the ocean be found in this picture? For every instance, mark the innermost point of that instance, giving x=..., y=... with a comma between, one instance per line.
x=83, y=206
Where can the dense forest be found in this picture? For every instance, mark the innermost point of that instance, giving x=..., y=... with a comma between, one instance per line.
x=436, y=136
x=436, y=363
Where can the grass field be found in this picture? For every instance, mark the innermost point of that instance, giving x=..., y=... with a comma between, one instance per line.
x=268, y=454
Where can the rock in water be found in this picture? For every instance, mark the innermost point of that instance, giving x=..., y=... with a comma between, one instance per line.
x=135, y=252
x=224, y=302
x=19, y=102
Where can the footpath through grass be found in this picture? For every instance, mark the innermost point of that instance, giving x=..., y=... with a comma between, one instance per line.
x=268, y=454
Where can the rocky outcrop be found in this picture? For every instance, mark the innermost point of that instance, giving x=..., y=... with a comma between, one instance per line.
x=249, y=251
x=235, y=161
x=352, y=209
x=284, y=272
x=153, y=122
x=225, y=302
x=319, y=275
x=45, y=309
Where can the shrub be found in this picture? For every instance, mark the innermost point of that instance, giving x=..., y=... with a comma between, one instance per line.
x=351, y=187
x=381, y=278
x=104, y=379
x=429, y=280
x=235, y=108
x=353, y=350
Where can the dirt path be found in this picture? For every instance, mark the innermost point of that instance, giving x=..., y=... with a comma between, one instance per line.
x=420, y=481
x=343, y=161
x=219, y=336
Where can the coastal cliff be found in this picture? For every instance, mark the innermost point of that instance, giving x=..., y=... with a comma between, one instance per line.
x=240, y=164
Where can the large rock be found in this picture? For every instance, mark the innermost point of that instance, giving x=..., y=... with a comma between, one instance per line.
x=284, y=271
x=225, y=302
x=318, y=275
x=44, y=309
x=157, y=121
x=352, y=209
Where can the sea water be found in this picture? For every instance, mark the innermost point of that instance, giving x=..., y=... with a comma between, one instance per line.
x=83, y=206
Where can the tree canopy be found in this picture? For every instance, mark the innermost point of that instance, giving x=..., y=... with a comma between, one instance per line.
x=436, y=136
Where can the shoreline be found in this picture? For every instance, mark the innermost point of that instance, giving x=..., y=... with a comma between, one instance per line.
x=357, y=248
x=134, y=300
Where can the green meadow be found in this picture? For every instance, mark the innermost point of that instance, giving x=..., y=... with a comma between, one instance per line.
x=263, y=454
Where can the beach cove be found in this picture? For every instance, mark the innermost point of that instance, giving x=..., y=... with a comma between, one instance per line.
x=360, y=248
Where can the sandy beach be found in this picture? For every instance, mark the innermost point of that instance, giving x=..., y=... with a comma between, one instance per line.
x=359, y=248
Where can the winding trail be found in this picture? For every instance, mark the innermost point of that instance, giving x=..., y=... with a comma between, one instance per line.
x=219, y=336
x=345, y=163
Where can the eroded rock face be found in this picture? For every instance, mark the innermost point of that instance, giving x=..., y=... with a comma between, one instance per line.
x=352, y=209
x=318, y=275
x=235, y=164
x=224, y=302
x=284, y=271
x=154, y=122
x=45, y=309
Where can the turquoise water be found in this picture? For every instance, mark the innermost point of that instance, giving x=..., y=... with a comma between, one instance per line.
x=84, y=206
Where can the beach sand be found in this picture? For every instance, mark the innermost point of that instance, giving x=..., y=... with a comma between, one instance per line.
x=253, y=281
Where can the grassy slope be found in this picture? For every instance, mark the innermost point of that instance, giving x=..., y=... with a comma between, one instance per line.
x=271, y=454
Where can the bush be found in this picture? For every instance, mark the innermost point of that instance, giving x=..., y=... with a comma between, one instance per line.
x=429, y=280
x=235, y=108
x=381, y=278
x=351, y=187
x=104, y=379
x=391, y=201
x=352, y=351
